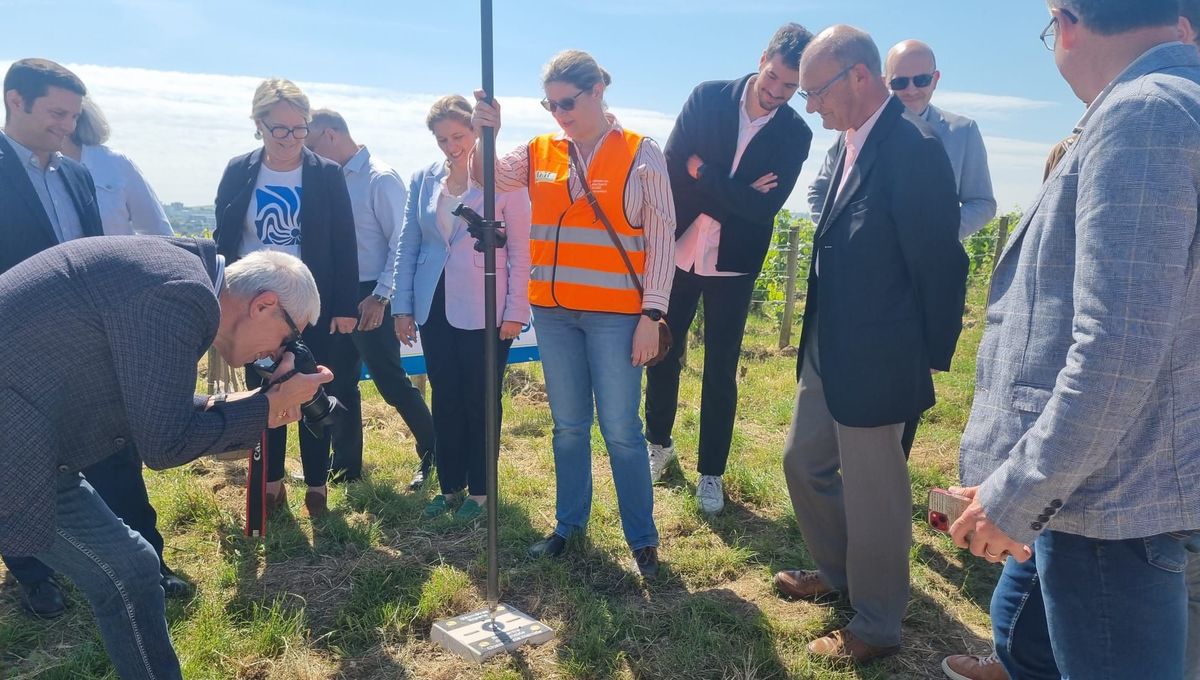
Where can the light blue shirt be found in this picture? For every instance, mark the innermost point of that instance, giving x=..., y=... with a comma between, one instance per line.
x=377, y=197
x=52, y=192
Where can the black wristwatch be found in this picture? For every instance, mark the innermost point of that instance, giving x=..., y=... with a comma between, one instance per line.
x=654, y=314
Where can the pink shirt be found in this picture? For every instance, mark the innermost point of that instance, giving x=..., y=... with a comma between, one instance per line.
x=696, y=250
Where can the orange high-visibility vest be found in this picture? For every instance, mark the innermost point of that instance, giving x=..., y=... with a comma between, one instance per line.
x=574, y=262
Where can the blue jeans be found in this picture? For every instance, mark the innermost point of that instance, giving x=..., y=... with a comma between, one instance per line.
x=1193, y=586
x=1115, y=609
x=118, y=572
x=586, y=355
x=1019, y=623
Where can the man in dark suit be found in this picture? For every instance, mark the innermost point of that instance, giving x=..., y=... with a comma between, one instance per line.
x=733, y=157
x=130, y=318
x=884, y=310
x=47, y=198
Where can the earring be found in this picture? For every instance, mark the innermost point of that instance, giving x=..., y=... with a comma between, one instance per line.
x=258, y=134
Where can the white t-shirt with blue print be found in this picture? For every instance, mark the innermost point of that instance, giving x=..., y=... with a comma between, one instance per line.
x=273, y=218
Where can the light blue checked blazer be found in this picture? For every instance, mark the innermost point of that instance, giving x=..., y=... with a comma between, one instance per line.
x=1086, y=417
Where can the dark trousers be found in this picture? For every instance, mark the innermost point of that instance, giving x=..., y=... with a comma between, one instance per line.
x=380, y=350
x=119, y=482
x=726, y=305
x=455, y=365
x=314, y=451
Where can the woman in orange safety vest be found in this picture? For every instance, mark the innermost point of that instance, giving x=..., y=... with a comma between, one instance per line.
x=595, y=303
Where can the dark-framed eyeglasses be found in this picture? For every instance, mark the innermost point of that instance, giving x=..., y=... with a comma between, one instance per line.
x=901, y=82
x=566, y=103
x=807, y=95
x=295, y=334
x=282, y=131
x=1050, y=34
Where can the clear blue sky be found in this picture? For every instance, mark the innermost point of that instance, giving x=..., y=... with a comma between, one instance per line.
x=656, y=50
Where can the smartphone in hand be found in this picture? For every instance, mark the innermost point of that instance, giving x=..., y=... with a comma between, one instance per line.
x=945, y=508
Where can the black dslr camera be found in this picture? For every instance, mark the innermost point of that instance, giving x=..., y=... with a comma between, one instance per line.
x=318, y=412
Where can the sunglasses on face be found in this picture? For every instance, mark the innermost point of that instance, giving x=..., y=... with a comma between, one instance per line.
x=295, y=334
x=566, y=104
x=901, y=82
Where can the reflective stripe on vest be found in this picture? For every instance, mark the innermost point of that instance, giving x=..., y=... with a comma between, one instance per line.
x=574, y=262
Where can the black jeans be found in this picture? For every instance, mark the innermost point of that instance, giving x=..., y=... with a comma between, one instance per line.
x=381, y=351
x=726, y=306
x=118, y=479
x=455, y=365
x=314, y=451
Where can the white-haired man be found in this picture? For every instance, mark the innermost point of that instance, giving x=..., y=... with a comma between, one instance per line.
x=130, y=318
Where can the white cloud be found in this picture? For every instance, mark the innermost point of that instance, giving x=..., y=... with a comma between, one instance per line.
x=987, y=106
x=182, y=128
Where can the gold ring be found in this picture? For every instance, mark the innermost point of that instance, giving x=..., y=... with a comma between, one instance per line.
x=282, y=415
x=990, y=554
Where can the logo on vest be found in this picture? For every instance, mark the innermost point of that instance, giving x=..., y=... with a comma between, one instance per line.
x=545, y=176
x=599, y=185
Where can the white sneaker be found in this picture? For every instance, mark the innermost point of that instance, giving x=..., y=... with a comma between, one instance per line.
x=660, y=458
x=710, y=492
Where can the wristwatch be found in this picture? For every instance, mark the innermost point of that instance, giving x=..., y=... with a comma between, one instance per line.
x=654, y=314
x=381, y=299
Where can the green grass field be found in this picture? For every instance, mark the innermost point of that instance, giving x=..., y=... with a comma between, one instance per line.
x=354, y=595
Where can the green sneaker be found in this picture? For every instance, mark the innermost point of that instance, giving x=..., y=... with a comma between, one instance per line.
x=469, y=510
x=438, y=506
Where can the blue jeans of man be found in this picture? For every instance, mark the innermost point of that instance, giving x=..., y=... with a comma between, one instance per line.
x=1114, y=609
x=1193, y=587
x=588, y=355
x=118, y=572
x=1019, y=623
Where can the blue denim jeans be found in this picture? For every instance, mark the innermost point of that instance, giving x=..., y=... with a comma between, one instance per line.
x=1114, y=609
x=587, y=355
x=1019, y=623
x=118, y=572
x=1193, y=587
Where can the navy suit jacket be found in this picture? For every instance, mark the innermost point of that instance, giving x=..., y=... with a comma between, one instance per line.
x=327, y=240
x=708, y=127
x=888, y=297
x=25, y=228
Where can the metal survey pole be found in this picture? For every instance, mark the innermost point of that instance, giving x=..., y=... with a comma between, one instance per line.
x=491, y=414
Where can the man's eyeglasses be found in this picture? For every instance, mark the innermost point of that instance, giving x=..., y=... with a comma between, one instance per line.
x=566, y=104
x=821, y=90
x=1050, y=35
x=282, y=131
x=295, y=334
x=901, y=82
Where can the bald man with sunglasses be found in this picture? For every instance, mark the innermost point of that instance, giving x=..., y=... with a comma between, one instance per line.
x=912, y=75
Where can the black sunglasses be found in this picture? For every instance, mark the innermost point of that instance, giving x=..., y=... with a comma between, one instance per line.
x=566, y=104
x=901, y=82
x=295, y=334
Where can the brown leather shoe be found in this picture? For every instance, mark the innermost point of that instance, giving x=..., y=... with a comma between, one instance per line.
x=277, y=501
x=801, y=584
x=971, y=667
x=843, y=646
x=316, y=504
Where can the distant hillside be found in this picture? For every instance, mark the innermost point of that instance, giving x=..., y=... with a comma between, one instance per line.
x=191, y=220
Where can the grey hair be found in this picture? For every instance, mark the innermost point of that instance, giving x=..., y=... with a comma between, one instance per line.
x=328, y=119
x=91, y=128
x=848, y=46
x=283, y=274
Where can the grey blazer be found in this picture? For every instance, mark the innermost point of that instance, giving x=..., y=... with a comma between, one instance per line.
x=1086, y=417
x=964, y=146
x=101, y=340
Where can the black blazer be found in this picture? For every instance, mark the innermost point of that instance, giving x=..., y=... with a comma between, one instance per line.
x=327, y=242
x=25, y=229
x=708, y=127
x=888, y=302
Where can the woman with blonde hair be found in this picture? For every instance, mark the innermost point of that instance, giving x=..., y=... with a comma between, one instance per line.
x=602, y=252
x=439, y=287
x=284, y=197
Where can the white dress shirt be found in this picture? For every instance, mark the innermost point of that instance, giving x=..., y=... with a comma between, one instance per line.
x=377, y=197
x=127, y=204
